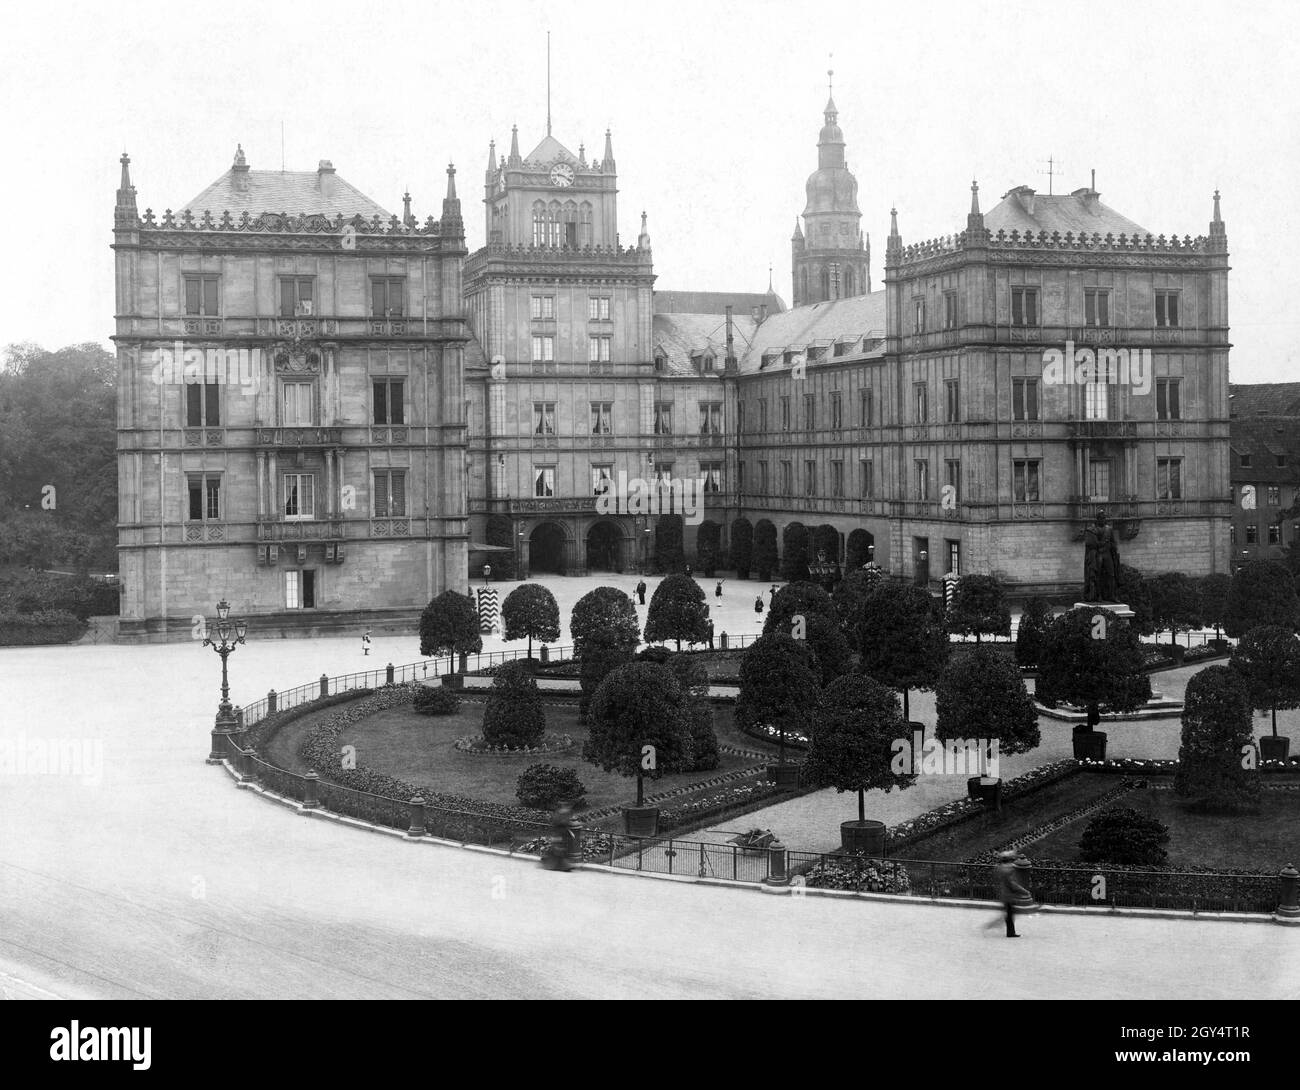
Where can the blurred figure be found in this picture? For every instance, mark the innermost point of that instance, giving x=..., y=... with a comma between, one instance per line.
x=771, y=594
x=717, y=591
x=563, y=852
x=1009, y=890
x=365, y=642
x=640, y=592
x=758, y=604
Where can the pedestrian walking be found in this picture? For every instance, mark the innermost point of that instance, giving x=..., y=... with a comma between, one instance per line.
x=365, y=642
x=758, y=604
x=717, y=591
x=640, y=592
x=771, y=593
x=1009, y=890
x=710, y=635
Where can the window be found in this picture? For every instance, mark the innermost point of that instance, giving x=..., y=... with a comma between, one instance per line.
x=388, y=401
x=602, y=417
x=201, y=295
x=1167, y=399
x=663, y=472
x=1024, y=399
x=710, y=417
x=1169, y=478
x=954, y=556
x=837, y=410
x=703, y=361
x=543, y=417
x=202, y=405
x=867, y=407
x=1274, y=495
x=1099, y=479
x=1166, y=308
x=1099, y=394
x=762, y=415
x=951, y=401
x=543, y=306
x=204, y=498
x=298, y=401
x=740, y=416
x=1232, y=533
x=1275, y=534
x=661, y=361
x=602, y=479
x=390, y=493
x=598, y=349
x=663, y=418
x=300, y=590
x=297, y=295
x=921, y=474
x=809, y=412
x=949, y=310
x=1252, y=534
x=387, y=296
x=598, y=308
x=1096, y=307
x=867, y=473
x=762, y=479
x=785, y=413
x=299, y=496
x=1280, y=461
x=918, y=315
x=712, y=474
x=543, y=348
x=543, y=481
x=1245, y=461
x=1024, y=480
x=952, y=476
x=810, y=477
x=1024, y=306
x=740, y=476
x=841, y=348
x=921, y=402
x=837, y=478
x=787, y=478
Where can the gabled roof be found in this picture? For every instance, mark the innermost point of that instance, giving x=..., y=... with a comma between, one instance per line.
x=678, y=336
x=291, y=191
x=1264, y=439
x=1270, y=398
x=716, y=302
x=1023, y=210
x=550, y=150
x=858, y=318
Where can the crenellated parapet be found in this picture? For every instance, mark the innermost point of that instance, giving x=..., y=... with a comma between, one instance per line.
x=284, y=223
x=1000, y=245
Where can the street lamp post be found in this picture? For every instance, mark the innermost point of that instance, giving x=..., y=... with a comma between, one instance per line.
x=229, y=634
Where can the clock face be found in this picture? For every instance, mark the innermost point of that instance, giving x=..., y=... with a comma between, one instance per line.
x=561, y=174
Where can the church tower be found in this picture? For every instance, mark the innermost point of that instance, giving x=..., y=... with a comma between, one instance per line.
x=831, y=257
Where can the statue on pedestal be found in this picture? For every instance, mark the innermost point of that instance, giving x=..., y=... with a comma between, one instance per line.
x=1100, y=561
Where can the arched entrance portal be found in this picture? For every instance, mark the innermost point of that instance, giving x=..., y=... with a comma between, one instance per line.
x=605, y=548
x=546, y=549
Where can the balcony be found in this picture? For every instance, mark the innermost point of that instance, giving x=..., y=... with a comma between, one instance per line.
x=299, y=530
x=299, y=438
x=1083, y=430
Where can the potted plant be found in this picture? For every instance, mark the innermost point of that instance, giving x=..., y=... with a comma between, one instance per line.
x=1268, y=660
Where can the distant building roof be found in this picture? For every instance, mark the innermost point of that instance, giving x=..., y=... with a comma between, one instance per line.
x=678, y=337
x=716, y=302
x=293, y=191
x=1273, y=445
x=1022, y=209
x=857, y=324
x=1265, y=398
x=550, y=150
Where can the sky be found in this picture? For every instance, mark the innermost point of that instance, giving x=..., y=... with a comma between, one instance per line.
x=714, y=107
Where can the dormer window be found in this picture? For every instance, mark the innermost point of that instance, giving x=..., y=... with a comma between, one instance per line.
x=1245, y=461
x=769, y=358
x=661, y=361
x=707, y=362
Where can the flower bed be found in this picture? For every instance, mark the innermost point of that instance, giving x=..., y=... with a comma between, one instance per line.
x=860, y=874
x=766, y=732
x=1168, y=766
x=550, y=743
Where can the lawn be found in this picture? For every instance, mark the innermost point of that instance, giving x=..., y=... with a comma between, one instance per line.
x=1266, y=841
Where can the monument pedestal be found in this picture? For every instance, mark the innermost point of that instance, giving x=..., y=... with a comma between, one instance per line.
x=1118, y=608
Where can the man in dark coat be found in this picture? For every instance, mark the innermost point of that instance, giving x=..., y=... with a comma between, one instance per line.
x=1010, y=891
x=640, y=592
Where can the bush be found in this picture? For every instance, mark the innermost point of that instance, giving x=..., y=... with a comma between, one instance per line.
x=765, y=549
x=47, y=626
x=860, y=874
x=1216, y=731
x=1262, y=592
x=742, y=547
x=658, y=655
x=514, y=717
x=1035, y=616
x=980, y=694
x=45, y=592
x=436, y=700
x=795, y=541
x=1124, y=835
x=543, y=787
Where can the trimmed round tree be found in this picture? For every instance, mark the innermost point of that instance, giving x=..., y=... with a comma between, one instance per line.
x=742, y=547
x=604, y=616
x=765, y=557
x=636, y=725
x=678, y=611
x=830, y=648
x=979, y=607
x=449, y=626
x=513, y=716
x=1214, y=591
x=901, y=639
x=1092, y=659
x=530, y=610
x=853, y=739
x=595, y=664
x=1212, y=771
x=795, y=541
x=850, y=595
x=1175, y=603
x=1262, y=592
x=693, y=679
x=778, y=686
x=797, y=599
x=708, y=547
x=669, y=552
x=1035, y=616
x=981, y=696
x=1268, y=660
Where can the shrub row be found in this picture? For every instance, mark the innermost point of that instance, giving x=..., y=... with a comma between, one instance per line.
x=860, y=874
x=43, y=627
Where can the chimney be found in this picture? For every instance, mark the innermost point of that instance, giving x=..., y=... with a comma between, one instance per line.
x=729, y=364
x=1088, y=197
x=239, y=171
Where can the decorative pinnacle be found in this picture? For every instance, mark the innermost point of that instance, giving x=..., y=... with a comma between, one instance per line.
x=974, y=198
x=1217, y=217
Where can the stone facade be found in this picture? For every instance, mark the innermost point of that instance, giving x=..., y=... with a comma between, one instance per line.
x=1265, y=426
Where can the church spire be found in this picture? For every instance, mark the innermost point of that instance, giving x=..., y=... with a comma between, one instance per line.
x=608, y=164
x=975, y=220
x=125, y=213
x=643, y=242
x=514, y=159
x=451, y=203
x=492, y=158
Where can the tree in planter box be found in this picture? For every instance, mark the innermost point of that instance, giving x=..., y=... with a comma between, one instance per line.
x=513, y=716
x=980, y=694
x=1262, y=593
x=449, y=626
x=708, y=546
x=1035, y=616
x=765, y=558
x=1175, y=603
x=678, y=611
x=852, y=739
x=742, y=547
x=693, y=680
x=979, y=607
x=1216, y=731
x=530, y=610
x=1268, y=660
x=778, y=686
x=1214, y=590
x=638, y=706
x=1092, y=659
x=795, y=541
x=902, y=642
